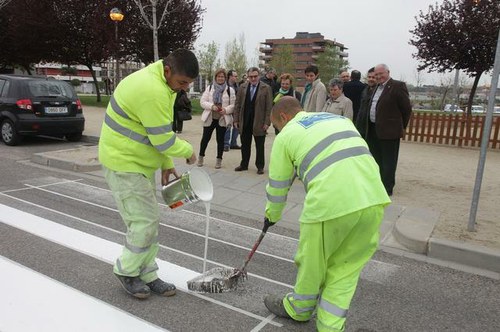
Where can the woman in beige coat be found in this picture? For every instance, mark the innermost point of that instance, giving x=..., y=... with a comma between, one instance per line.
x=218, y=103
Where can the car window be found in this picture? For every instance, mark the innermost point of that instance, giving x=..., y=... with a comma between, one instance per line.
x=5, y=89
x=50, y=89
x=2, y=83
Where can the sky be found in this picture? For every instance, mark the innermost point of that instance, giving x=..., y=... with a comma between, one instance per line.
x=373, y=31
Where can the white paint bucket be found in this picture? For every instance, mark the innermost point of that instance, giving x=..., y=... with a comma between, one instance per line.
x=193, y=186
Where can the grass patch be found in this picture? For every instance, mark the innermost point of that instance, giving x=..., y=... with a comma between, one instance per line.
x=91, y=100
x=196, y=107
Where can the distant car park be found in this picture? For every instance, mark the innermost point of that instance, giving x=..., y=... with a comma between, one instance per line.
x=452, y=108
x=477, y=109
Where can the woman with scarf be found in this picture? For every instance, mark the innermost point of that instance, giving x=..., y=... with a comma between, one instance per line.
x=286, y=89
x=217, y=102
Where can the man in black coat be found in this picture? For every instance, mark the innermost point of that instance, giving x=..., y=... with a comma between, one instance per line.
x=353, y=90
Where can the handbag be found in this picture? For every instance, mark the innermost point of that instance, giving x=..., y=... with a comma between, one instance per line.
x=184, y=115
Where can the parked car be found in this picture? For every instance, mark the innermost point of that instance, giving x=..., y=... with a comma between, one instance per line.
x=477, y=109
x=496, y=109
x=38, y=106
x=448, y=108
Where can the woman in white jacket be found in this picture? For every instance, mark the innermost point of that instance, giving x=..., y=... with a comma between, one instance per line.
x=217, y=102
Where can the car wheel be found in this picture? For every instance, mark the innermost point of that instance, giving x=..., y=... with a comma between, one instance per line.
x=9, y=133
x=74, y=137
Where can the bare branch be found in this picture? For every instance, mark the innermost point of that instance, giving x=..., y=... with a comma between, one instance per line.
x=143, y=13
x=3, y=3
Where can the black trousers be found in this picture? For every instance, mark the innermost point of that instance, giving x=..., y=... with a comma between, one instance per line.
x=176, y=124
x=207, y=135
x=385, y=152
x=246, y=148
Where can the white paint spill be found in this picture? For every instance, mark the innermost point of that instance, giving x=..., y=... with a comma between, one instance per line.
x=207, y=227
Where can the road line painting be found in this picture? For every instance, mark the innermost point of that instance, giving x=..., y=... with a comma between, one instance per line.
x=101, y=249
x=26, y=310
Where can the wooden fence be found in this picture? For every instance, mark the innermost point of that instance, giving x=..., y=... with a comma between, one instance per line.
x=451, y=129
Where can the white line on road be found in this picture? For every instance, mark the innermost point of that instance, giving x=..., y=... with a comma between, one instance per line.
x=35, y=302
x=100, y=249
x=261, y=325
x=41, y=186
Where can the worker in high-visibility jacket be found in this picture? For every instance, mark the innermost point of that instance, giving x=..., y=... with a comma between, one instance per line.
x=343, y=208
x=136, y=140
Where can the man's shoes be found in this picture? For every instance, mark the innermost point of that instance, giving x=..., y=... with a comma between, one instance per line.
x=274, y=304
x=218, y=163
x=134, y=286
x=240, y=168
x=235, y=147
x=260, y=171
x=161, y=287
x=226, y=148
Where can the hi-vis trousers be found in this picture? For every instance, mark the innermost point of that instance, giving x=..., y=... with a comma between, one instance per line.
x=136, y=200
x=329, y=258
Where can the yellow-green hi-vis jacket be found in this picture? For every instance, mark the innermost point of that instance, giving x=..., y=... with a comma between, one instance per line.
x=137, y=132
x=326, y=152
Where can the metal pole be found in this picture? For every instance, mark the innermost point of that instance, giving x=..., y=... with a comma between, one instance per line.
x=117, y=64
x=485, y=139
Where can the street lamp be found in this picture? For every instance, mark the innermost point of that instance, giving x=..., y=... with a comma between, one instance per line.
x=116, y=16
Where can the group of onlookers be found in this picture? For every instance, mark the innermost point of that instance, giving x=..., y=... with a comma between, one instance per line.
x=380, y=109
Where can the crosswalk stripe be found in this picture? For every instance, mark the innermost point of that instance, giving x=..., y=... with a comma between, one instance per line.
x=101, y=249
x=35, y=302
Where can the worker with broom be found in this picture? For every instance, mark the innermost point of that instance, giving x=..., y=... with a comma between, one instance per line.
x=343, y=208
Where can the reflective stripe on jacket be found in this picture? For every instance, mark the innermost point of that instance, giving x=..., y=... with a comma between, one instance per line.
x=326, y=152
x=137, y=132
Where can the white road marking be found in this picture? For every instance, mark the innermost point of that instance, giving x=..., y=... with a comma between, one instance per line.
x=101, y=249
x=161, y=245
x=162, y=224
x=261, y=325
x=35, y=302
x=43, y=185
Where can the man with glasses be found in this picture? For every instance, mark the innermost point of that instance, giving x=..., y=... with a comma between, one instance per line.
x=252, y=111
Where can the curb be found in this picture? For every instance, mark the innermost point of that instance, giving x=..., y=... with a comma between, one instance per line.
x=59, y=159
x=90, y=139
x=466, y=254
x=413, y=228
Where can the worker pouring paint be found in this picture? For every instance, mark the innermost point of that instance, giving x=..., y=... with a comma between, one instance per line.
x=137, y=140
x=343, y=209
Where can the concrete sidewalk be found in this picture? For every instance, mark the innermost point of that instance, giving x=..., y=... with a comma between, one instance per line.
x=243, y=193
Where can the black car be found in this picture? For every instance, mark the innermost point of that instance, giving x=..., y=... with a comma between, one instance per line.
x=38, y=106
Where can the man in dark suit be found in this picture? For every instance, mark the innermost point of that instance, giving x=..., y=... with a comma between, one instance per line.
x=389, y=114
x=353, y=90
x=252, y=110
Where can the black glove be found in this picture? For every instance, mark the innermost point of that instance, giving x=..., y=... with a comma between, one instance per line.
x=268, y=223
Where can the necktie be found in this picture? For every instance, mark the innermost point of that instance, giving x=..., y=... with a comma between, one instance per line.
x=252, y=91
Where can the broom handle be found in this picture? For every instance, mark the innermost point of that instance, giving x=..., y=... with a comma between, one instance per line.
x=255, y=246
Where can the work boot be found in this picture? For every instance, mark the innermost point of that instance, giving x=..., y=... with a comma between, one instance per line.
x=161, y=287
x=218, y=163
x=134, y=286
x=274, y=304
x=200, y=161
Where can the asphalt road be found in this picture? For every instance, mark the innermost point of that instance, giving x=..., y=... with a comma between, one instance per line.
x=60, y=233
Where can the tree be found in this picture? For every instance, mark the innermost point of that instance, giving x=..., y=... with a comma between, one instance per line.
x=169, y=9
x=330, y=64
x=458, y=34
x=208, y=60
x=283, y=60
x=235, y=57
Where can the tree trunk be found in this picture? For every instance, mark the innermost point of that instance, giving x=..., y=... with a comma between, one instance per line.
x=472, y=93
x=94, y=78
x=155, y=34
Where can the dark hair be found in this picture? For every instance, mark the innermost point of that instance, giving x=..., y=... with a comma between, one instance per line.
x=182, y=62
x=230, y=73
x=371, y=70
x=355, y=75
x=253, y=69
x=311, y=69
